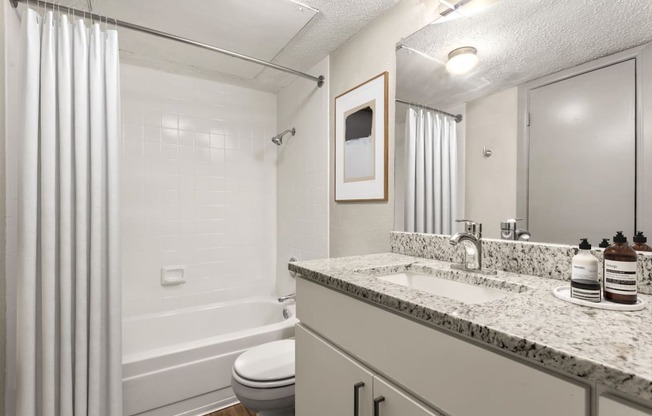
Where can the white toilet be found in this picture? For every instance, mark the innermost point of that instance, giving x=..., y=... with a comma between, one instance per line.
x=263, y=378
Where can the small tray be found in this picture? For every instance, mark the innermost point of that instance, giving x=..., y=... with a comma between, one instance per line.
x=563, y=293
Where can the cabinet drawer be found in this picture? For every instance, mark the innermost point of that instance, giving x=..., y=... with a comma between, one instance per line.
x=455, y=376
x=613, y=406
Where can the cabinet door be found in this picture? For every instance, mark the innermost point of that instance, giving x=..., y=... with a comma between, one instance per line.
x=327, y=381
x=389, y=401
x=612, y=406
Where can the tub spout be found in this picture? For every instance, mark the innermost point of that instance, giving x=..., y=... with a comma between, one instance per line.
x=291, y=296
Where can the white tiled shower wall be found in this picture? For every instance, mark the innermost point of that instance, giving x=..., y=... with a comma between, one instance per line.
x=198, y=190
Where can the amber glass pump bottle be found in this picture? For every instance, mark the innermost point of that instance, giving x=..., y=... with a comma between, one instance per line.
x=620, y=271
x=640, y=242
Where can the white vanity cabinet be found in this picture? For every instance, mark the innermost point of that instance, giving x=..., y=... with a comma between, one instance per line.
x=330, y=383
x=442, y=371
x=614, y=406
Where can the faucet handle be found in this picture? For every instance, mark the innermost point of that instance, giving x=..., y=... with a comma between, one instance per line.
x=509, y=224
x=472, y=227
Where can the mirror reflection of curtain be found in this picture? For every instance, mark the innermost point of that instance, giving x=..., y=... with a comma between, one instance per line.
x=430, y=172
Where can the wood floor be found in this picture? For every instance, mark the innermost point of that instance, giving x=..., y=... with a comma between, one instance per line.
x=237, y=410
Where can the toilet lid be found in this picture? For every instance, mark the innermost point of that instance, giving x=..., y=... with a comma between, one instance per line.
x=268, y=362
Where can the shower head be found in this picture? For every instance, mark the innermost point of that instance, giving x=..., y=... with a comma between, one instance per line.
x=278, y=139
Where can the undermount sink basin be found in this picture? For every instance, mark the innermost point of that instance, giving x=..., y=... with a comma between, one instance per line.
x=450, y=289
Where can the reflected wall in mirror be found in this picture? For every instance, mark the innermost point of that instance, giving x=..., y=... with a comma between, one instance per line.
x=553, y=123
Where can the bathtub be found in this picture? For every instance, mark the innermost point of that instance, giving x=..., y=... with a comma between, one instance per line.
x=179, y=363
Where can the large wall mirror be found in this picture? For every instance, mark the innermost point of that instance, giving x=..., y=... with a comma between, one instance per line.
x=533, y=110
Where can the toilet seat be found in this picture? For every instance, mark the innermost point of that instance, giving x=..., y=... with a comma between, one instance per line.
x=266, y=366
x=263, y=384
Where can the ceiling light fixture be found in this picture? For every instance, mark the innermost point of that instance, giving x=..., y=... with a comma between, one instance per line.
x=462, y=60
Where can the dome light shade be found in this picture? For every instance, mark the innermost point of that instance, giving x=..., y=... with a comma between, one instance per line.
x=462, y=60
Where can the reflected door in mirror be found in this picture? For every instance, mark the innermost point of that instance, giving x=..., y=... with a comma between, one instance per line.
x=582, y=168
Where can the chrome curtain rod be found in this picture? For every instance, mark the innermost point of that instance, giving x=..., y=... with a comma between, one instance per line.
x=80, y=13
x=457, y=117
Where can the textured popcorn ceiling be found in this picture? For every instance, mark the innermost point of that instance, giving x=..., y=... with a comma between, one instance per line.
x=518, y=41
x=335, y=22
x=77, y=4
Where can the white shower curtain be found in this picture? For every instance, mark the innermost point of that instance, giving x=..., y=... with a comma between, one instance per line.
x=68, y=304
x=431, y=172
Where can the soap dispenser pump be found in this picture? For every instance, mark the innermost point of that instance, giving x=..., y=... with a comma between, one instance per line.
x=584, y=277
x=640, y=242
x=585, y=264
x=620, y=268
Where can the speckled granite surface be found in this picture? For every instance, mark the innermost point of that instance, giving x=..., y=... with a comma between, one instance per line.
x=610, y=348
x=535, y=259
x=645, y=273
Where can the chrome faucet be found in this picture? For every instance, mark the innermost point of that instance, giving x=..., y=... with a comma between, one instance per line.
x=471, y=240
x=291, y=296
x=508, y=231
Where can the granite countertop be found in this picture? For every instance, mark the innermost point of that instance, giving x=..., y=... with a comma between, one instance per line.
x=607, y=347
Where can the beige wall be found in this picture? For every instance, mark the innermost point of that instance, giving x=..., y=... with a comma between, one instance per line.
x=491, y=181
x=362, y=228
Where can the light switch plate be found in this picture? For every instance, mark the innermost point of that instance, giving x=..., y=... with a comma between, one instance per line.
x=173, y=275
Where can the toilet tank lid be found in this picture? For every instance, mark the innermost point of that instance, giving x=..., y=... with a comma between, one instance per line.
x=268, y=362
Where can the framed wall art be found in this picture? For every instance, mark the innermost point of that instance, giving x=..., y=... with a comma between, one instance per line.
x=361, y=142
